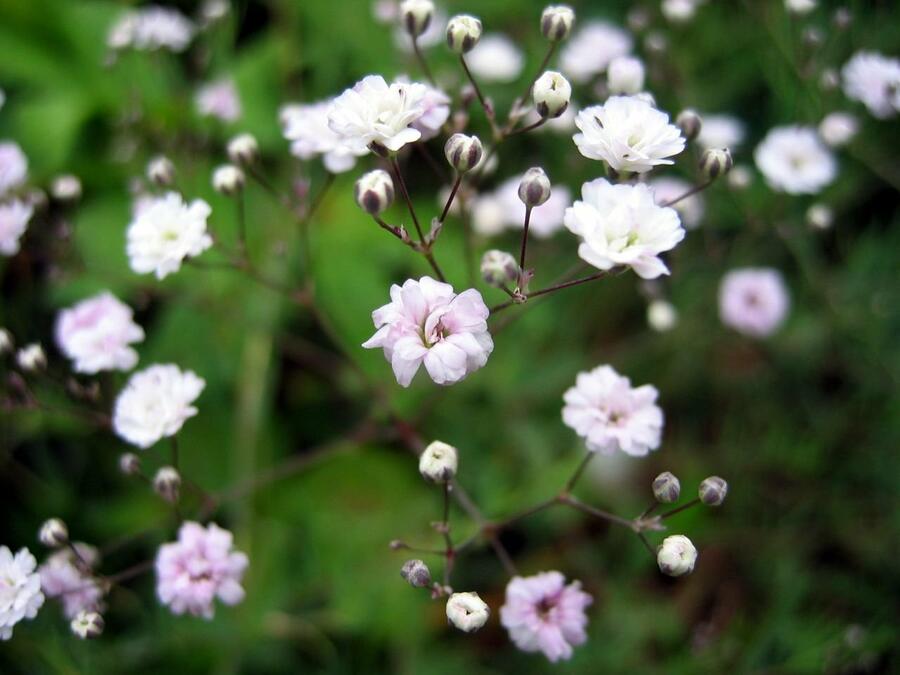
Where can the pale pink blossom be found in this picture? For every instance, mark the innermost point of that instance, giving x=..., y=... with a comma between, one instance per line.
x=14, y=218
x=543, y=614
x=874, y=80
x=62, y=577
x=753, y=301
x=306, y=127
x=199, y=567
x=13, y=166
x=427, y=322
x=436, y=106
x=97, y=333
x=219, y=99
x=610, y=414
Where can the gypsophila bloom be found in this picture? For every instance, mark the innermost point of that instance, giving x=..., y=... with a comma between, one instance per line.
x=87, y=625
x=62, y=577
x=6, y=342
x=427, y=322
x=753, y=301
x=97, y=333
x=552, y=93
x=622, y=225
x=592, y=48
x=164, y=232
x=690, y=208
x=306, y=127
x=377, y=116
x=625, y=75
x=435, y=111
x=228, y=179
x=542, y=613
x=219, y=99
x=676, y=556
x=155, y=404
x=819, y=216
x=610, y=414
x=66, y=188
x=874, y=80
x=628, y=134
x=13, y=166
x=31, y=358
x=243, y=149
x=495, y=59
x=679, y=11
x=800, y=6
x=20, y=589
x=838, y=128
x=199, y=567
x=467, y=611
x=794, y=160
x=662, y=316
x=151, y=28
x=721, y=131
x=14, y=218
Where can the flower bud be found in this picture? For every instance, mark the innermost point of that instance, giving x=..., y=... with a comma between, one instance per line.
x=625, y=75
x=716, y=162
x=838, y=128
x=690, y=124
x=31, y=358
x=416, y=572
x=53, y=533
x=129, y=464
x=556, y=22
x=87, y=625
x=666, y=488
x=552, y=93
x=713, y=490
x=676, y=556
x=463, y=152
x=499, y=268
x=167, y=483
x=534, y=189
x=374, y=191
x=819, y=217
x=661, y=316
x=463, y=33
x=228, y=179
x=467, y=611
x=6, y=341
x=161, y=171
x=416, y=15
x=243, y=149
x=66, y=188
x=438, y=462
x=800, y=6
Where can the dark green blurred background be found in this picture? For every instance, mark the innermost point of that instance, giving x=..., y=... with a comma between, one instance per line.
x=797, y=572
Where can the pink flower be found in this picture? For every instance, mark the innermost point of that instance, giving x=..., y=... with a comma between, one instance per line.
x=426, y=322
x=197, y=568
x=219, y=99
x=436, y=105
x=753, y=301
x=610, y=415
x=62, y=578
x=542, y=614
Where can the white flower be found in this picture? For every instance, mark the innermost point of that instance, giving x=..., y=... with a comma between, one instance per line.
x=838, y=128
x=438, y=462
x=14, y=217
x=66, y=188
x=610, y=414
x=13, y=166
x=427, y=323
x=467, y=611
x=819, y=216
x=151, y=28
x=155, y=404
x=625, y=75
x=720, y=131
x=690, y=209
x=679, y=11
x=627, y=133
x=97, y=333
x=590, y=50
x=874, y=80
x=794, y=160
x=495, y=59
x=676, y=556
x=753, y=301
x=490, y=214
x=622, y=225
x=219, y=99
x=20, y=589
x=31, y=357
x=165, y=231
x=228, y=179
x=376, y=115
x=662, y=316
x=436, y=111
x=800, y=6
x=306, y=126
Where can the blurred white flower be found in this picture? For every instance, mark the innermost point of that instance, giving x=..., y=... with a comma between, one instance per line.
x=495, y=58
x=690, y=209
x=66, y=188
x=753, y=301
x=155, y=404
x=610, y=414
x=720, y=131
x=13, y=166
x=152, y=27
x=628, y=134
x=589, y=51
x=306, y=127
x=97, y=334
x=436, y=110
x=819, y=216
x=622, y=225
x=838, y=128
x=164, y=232
x=662, y=316
x=794, y=160
x=219, y=99
x=20, y=590
x=31, y=357
x=679, y=11
x=800, y=6
x=14, y=217
x=490, y=214
x=625, y=75
x=874, y=80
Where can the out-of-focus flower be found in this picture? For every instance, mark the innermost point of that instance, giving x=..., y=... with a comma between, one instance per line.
x=721, y=131
x=376, y=116
x=676, y=556
x=838, y=128
x=14, y=218
x=161, y=171
x=740, y=177
x=228, y=179
x=874, y=80
x=753, y=301
x=6, y=342
x=432, y=36
x=243, y=149
x=212, y=11
x=819, y=216
x=306, y=127
x=556, y=22
x=610, y=414
x=622, y=225
x=499, y=268
x=20, y=590
x=150, y=28
x=31, y=358
x=164, y=232
x=155, y=404
x=436, y=110
x=800, y=6
x=544, y=614
x=467, y=611
x=662, y=316
x=219, y=99
x=592, y=48
x=494, y=212
x=66, y=188
x=427, y=322
x=679, y=11
x=495, y=58
x=87, y=625
x=628, y=134
x=97, y=333
x=690, y=209
x=13, y=166
x=794, y=160
x=625, y=75
x=62, y=577
x=199, y=567
x=167, y=484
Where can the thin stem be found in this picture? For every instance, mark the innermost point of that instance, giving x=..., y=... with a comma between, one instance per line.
x=488, y=110
x=504, y=557
x=694, y=190
x=320, y=197
x=683, y=507
x=598, y=513
x=453, y=192
x=570, y=484
x=174, y=441
x=242, y=224
x=530, y=127
x=551, y=289
x=445, y=520
x=429, y=256
x=390, y=228
x=647, y=544
x=421, y=59
x=524, y=239
x=525, y=513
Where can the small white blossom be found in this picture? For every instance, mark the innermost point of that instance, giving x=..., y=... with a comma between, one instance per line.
x=219, y=99
x=625, y=75
x=150, y=28
x=438, y=462
x=679, y=11
x=31, y=358
x=591, y=49
x=838, y=128
x=721, y=131
x=495, y=59
x=467, y=611
x=676, y=556
x=690, y=209
x=662, y=316
x=753, y=301
x=819, y=216
x=874, y=80
x=800, y=6
x=794, y=160
x=20, y=589
x=14, y=218
x=97, y=334
x=306, y=127
x=13, y=166
x=228, y=179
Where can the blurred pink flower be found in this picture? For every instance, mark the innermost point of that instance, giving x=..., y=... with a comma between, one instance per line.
x=219, y=99
x=61, y=578
x=97, y=333
x=753, y=301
